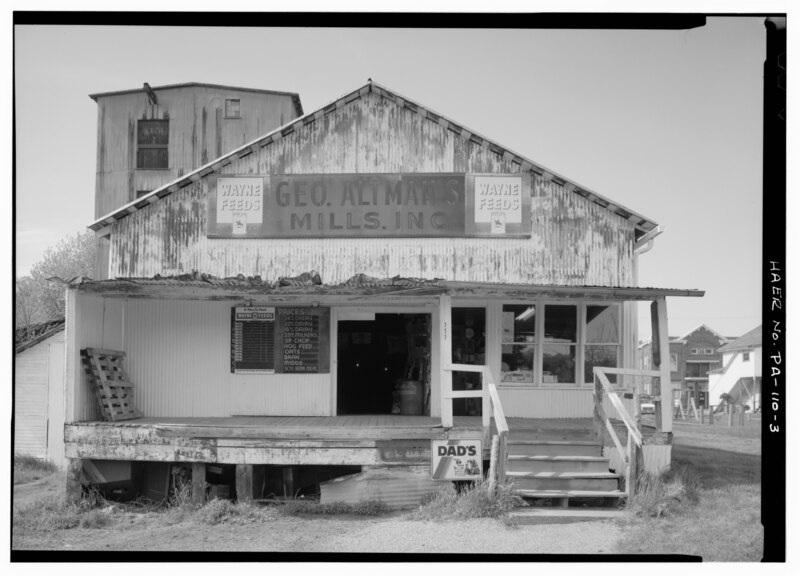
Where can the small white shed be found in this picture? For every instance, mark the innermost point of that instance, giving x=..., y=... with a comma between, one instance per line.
x=39, y=394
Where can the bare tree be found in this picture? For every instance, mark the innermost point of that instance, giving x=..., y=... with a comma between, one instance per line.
x=39, y=300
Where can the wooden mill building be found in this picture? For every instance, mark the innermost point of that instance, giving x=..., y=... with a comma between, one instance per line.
x=347, y=288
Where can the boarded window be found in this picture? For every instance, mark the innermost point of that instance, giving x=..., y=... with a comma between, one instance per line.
x=152, y=137
x=233, y=108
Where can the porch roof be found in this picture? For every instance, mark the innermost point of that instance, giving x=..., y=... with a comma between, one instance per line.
x=197, y=286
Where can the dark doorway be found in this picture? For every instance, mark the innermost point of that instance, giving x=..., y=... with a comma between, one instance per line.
x=374, y=356
x=468, y=347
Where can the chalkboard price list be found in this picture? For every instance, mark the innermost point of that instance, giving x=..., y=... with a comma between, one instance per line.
x=300, y=342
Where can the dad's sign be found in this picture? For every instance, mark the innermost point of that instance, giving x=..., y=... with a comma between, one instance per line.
x=369, y=205
x=456, y=460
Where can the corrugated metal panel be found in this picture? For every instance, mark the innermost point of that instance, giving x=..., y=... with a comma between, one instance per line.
x=178, y=355
x=195, y=135
x=574, y=241
x=396, y=486
x=88, y=333
x=554, y=403
x=55, y=402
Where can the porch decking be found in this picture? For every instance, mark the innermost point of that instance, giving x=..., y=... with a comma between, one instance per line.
x=368, y=440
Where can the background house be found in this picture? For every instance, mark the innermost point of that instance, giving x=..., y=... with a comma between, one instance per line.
x=692, y=357
x=740, y=374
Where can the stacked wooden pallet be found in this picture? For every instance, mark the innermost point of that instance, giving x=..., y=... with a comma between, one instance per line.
x=112, y=387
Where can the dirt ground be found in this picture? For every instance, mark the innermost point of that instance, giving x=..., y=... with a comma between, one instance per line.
x=392, y=533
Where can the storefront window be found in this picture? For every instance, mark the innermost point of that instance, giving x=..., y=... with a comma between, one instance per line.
x=572, y=340
x=518, y=343
x=602, y=340
x=560, y=340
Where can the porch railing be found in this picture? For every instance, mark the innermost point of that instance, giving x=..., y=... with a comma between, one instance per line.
x=490, y=408
x=631, y=455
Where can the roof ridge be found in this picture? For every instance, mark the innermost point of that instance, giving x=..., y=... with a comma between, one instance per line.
x=217, y=164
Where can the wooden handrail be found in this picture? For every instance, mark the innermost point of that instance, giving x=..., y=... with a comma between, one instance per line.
x=632, y=457
x=491, y=400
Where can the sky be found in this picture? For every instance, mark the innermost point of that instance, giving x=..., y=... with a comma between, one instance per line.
x=665, y=123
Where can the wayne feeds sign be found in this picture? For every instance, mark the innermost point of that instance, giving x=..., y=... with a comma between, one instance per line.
x=369, y=205
x=456, y=460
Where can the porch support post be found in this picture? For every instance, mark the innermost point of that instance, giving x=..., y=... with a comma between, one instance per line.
x=445, y=376
x=198, y=483
x=663, y=388
x=244, y=483
x=74, y=470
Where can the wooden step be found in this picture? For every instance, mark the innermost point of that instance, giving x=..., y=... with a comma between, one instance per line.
x=557, y=464
x=566, y=481
x=552, y=448
x=557, y=515
x=561, y=494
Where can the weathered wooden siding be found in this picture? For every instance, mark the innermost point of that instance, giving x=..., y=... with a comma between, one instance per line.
x=573, y=242
x=31, y=378
x=198, y=133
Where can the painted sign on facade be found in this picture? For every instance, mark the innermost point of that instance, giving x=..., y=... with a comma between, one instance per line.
x=368, y=205
x=456, y=460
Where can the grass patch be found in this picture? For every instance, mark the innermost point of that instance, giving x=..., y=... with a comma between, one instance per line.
x=473, y=501
x=303, y=507
x=220, y=511
x=723, y=526
x=709, y=506
x=716, y=468
x=28, y=468
x=47, y=514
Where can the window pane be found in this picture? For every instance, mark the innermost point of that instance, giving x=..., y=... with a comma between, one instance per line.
x=232, y=108
x=558, y=363
x=518, y=363
x=599, y=356
x=153, y=132
x=560, y=323
x=519, y=323
x=602, y=324
x=152, y=158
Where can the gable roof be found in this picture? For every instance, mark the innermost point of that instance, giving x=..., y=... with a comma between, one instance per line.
x=642, y=224
x=695, y=329
x=747, y=341
x=293, y=95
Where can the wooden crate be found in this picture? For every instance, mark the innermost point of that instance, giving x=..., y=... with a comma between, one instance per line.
x=112, y=387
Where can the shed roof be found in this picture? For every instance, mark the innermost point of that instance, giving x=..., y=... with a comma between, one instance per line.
x=293, y=95
x=747, y=341
x=641, y=223
x=205, y=286
x=29, y=336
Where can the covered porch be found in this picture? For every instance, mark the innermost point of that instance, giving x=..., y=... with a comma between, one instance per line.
x=196, y=411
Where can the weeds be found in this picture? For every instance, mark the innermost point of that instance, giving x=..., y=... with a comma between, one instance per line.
x=219, y=511
x=665, y=494
x=28, y=468
x=474, y=501
x=365, y=508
